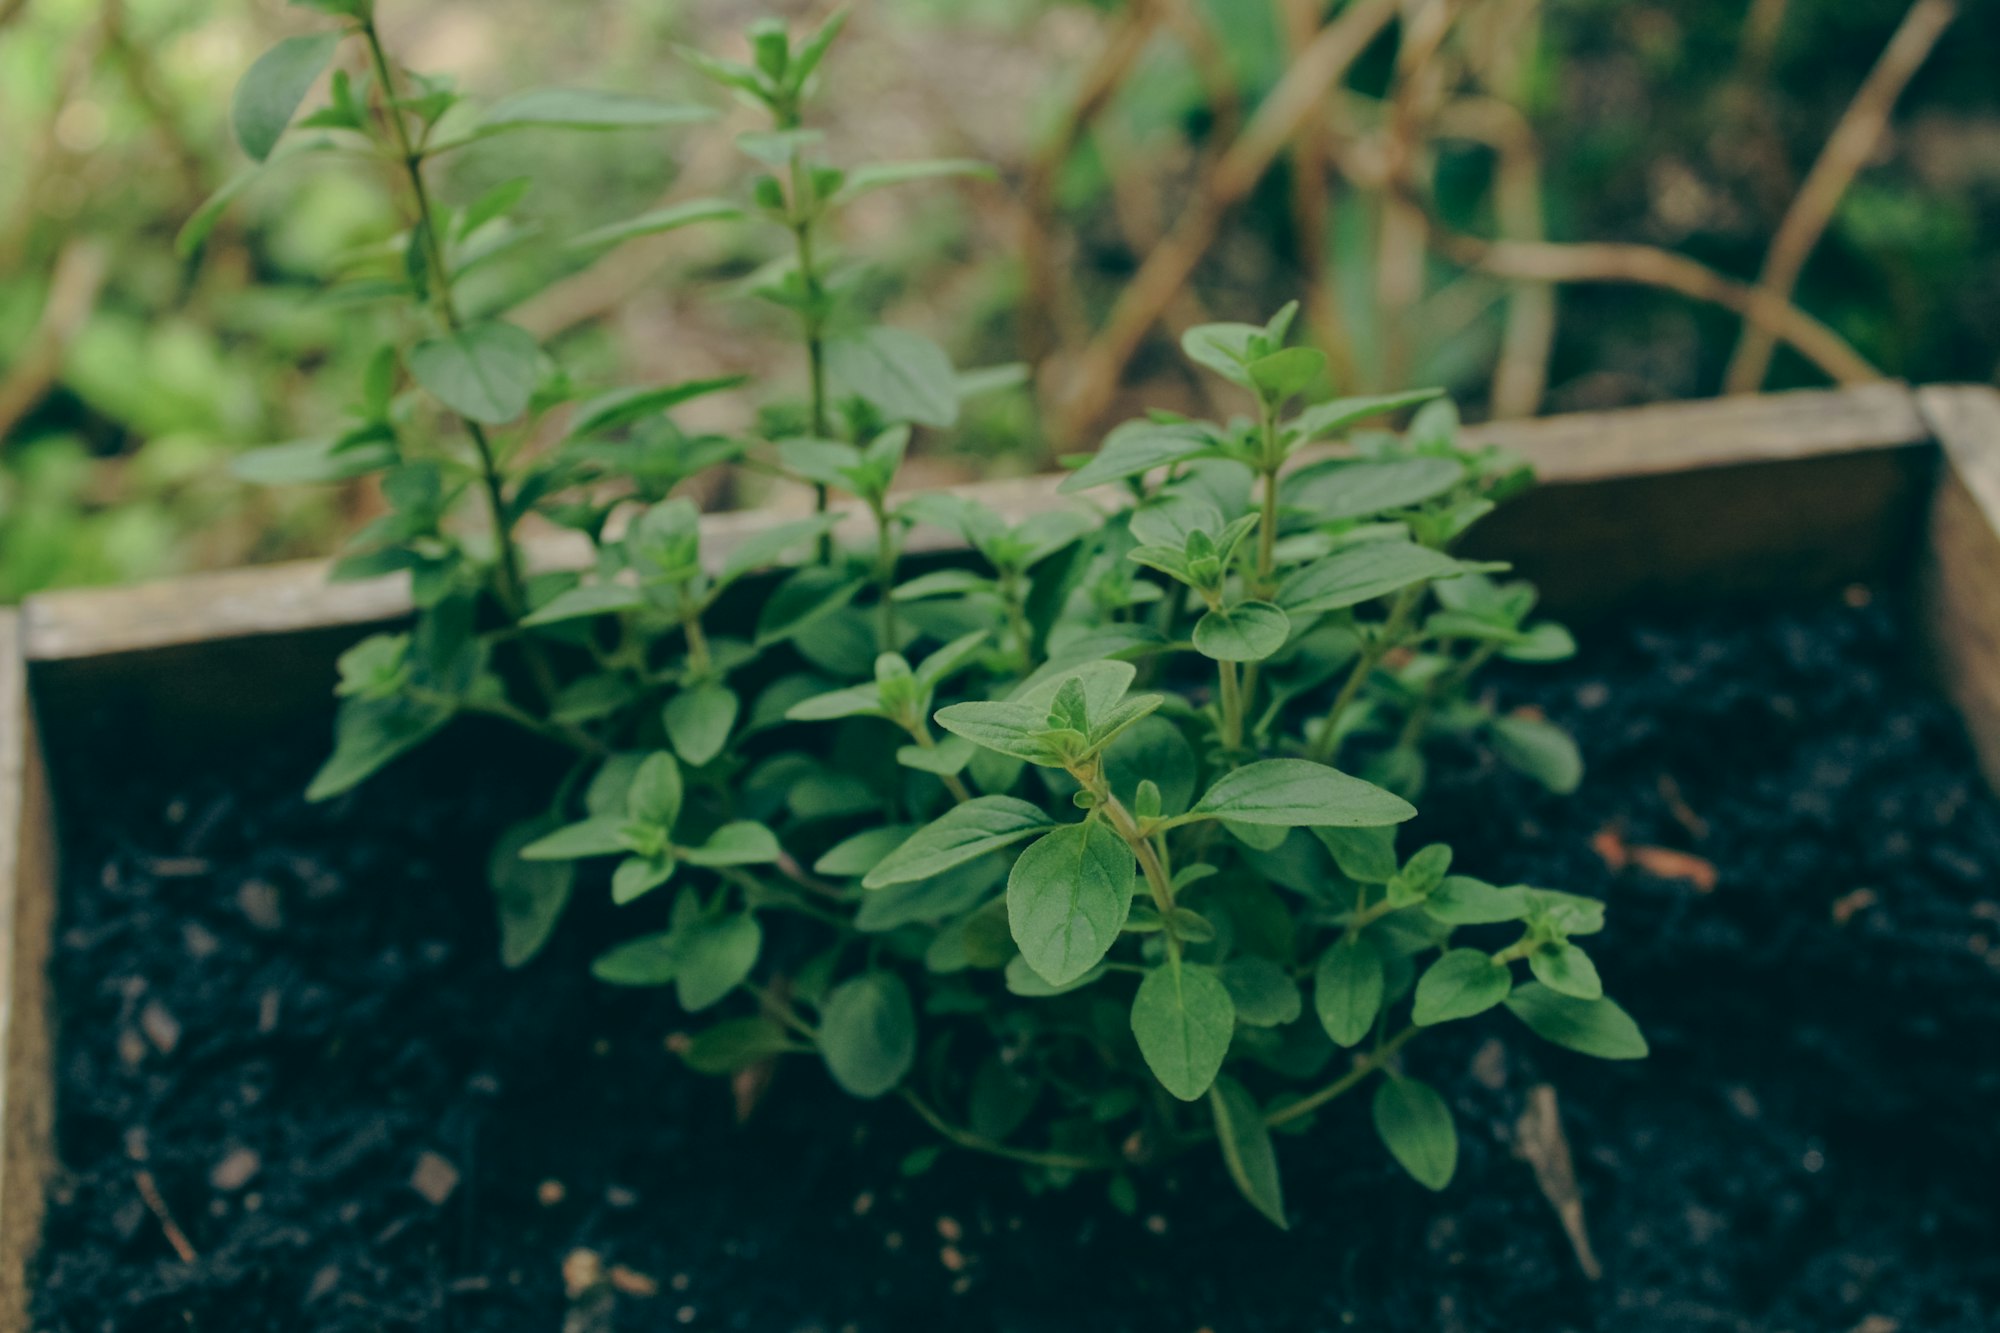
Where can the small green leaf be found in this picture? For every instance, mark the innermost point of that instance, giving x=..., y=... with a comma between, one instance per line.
x=963, y=833
x=878, y=175
x=1297, y=793
x=637, y=876
x=655, y=795
x=600, y=835
x=1010, y=728
x=1463, y=901
x=582, y=109
x=1224, y=349
x=1461, y=983
x=1594, y=1027
x=1183, y=1019
x=854, y=701
x=271, y=89
x=1265, y=996
x=736, y=1043
x=903, y=375
x=1138, y=447
x=698, y=721
x=1246, y=1148
x=1421, y=876
x=868, y=1033
x=1364, y=855
x=742, y=842
x=1539, y=749
x=484, y=372
x=590, y=599
x=1566, y=969
x=1245, y=632
x=306, y=462
x=1360, y=574
x=623, y=407
x=1347, y=988
x=1067, y=899
x=1415, y=1124
x=713, y=957
x=1025, y=982
x=1284, y=374
x=649, y=960
x=1348, y=488
x=659, y=220
x=369, y=733
x=530, y=896
x=851, y=858
x=1323, y=419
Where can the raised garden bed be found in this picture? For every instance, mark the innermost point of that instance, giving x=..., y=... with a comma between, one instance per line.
x=433, y=1179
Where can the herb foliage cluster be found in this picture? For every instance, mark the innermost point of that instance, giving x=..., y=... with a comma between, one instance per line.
x=1051, y=841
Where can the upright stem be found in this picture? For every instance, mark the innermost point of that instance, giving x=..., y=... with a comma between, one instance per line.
x=885, y=576
x=921, y=733
x=1232, y=706
x=1325, y=743
x=513, y=587
x=1267, y=524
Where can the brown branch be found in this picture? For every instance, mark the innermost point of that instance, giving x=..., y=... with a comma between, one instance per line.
x=1319, y=67
x=1312, y=190
x=1049, y=315
x=1403, y=241
x=1846, y=152
x=1521, y=376
x=1649, y=266
x=73, y=288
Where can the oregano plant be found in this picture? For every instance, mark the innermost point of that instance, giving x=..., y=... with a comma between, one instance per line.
x=1083, y=841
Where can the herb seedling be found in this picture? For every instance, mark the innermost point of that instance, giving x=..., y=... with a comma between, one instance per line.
x=1082, y=845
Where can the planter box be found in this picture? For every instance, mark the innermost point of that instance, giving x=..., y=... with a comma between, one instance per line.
x=1739, y=498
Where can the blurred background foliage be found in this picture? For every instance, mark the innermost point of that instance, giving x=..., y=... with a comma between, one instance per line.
x=1548, y=205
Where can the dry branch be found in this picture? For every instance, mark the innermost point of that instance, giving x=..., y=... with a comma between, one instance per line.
x=1095, y=380
x=1846, y=152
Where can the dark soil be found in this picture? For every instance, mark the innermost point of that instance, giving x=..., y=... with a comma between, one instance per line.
x=289, y=1018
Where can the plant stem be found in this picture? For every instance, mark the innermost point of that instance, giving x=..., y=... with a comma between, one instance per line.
x=1232, y=706
x=965, y=1138
x=1364, y=1065
x=1126, y=827
x=921, y=733
x=885, y=575
x=1326, y=742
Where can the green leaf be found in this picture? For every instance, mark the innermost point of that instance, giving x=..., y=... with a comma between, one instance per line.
x=768, y=544
x=582, y=109
x=854, y=701
x=713, y=957
x=1421, y=876
x=1138, y=447
x=741, y=842
x=1246, y=1148
x=1364, y=855
x=655, y=794
x=1265, y=996
x=877, y=175
x=698, y=721
x=1463, y=901
x=1566, y=969
x=868, y=1033
x=1323, y=419
x=1245, y=632
x=1541, y=750
x=659, y=220
x=1183, y=1019
x=1297, y=793
x=806, y=597
x=1025, y=982
x=637, y=876
x=622, y=407
x=903, y=375
x=1461, y=983
x=600, y=835
x=736, y=1043
x=1416, y=1126
x=963, y=833
x=305, y=462
x=1010, y=728
x=1345, y=488
x=484, y=372
x=649, y=960
x=368, y=733
x=1347, y=988
x=1360, y=574
x=851, y=858
x=1593, y=1027
x=953, y=893
x=530, y=896
x=1224, y=349
x=1285, y=373
x=271, y=89
x=590, y=599
x=1068, y=897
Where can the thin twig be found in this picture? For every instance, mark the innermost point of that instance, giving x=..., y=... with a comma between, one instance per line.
x=1402, y=240
x=1048, y=310
x=149, y=1190
x=1312, y=187
x=1301, y=90
x=73, y=288
x=1846, y=152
